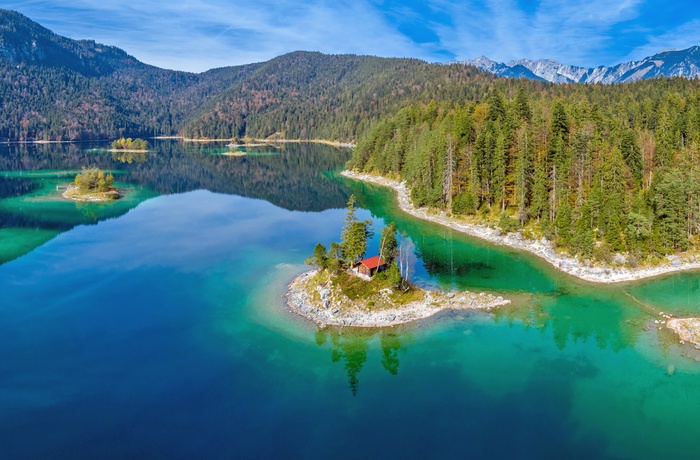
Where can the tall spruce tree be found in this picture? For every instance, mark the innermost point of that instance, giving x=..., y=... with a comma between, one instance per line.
x=355, y=234
x=388, y=245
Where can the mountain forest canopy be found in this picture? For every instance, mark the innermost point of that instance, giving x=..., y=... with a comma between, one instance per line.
x=597, y=168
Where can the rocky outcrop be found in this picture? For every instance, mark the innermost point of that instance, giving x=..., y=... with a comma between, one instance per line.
x=688, y=329
x=326, y=306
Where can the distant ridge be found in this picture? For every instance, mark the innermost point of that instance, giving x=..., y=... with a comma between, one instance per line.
x=675, y=63
x=56, y=88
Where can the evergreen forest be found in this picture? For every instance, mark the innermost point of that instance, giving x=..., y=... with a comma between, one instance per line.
x=598, y=169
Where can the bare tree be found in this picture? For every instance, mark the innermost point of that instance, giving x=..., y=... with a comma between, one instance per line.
x=407, y=258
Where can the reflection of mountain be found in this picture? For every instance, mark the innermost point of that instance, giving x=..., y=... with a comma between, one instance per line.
x=16, y=187
x=292, y=179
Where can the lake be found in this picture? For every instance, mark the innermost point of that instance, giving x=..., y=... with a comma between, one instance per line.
x=154, y=327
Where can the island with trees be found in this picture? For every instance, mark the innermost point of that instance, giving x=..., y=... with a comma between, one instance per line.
x=92, y=184
x=129, y=145
x=346, y=289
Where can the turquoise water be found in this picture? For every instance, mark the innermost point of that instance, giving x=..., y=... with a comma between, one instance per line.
x=160, y=331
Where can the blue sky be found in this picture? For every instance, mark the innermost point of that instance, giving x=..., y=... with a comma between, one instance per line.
x=197, y=35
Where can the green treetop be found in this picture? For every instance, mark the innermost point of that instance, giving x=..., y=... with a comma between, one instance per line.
x=355, y=234
x=130, y=144
x=388, y=246
x=94, y=180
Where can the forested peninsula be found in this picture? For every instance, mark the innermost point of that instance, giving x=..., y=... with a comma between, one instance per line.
x=607, y=173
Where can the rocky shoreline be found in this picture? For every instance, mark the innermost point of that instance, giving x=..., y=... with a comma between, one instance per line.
x=323, y=306
x=688, y=329
x=72, y=193
x=541, y=248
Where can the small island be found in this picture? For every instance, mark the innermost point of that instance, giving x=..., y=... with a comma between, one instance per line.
x=348, y=290
x=92, y=184
x=129, y=145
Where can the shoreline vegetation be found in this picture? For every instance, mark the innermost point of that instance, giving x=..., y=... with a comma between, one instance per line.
x=317, y=296
x=596, y=273
x=92, y=185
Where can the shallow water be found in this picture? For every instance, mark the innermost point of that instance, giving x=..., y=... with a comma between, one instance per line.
x=158, y=329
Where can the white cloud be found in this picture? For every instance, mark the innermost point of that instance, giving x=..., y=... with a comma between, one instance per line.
x=682, y=37
x=557, y=29
x=197, y=35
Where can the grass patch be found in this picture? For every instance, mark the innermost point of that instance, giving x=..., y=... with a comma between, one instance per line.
x=356, y=288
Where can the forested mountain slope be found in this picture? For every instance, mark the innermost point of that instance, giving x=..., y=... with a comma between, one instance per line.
x=307, y=95
x=54, y=88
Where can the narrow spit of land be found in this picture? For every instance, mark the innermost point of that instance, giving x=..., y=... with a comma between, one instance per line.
x=262, y=142
x=321, y=300
x=541, y=248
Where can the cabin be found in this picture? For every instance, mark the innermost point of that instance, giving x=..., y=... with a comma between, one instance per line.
x=369, y=267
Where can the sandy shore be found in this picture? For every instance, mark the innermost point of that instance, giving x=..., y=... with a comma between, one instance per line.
x=358, y=315
x=541, y=248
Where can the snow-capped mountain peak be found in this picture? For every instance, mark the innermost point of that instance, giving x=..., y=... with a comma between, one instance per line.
x=672, y=63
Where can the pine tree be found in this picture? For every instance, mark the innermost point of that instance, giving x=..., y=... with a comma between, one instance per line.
x=388, y=244
x=562, y=224
x=498, y=177
x=669, y=228
x=583, y=241
x=522, y=106
x=539, y=191
x=320, y=256
x=355, y=234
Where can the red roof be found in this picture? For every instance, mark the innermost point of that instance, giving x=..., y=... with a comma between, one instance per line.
x=372, y=262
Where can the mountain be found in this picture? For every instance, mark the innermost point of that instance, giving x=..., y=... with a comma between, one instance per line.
x=503, y=70
x=55, y=88
x=683, y=63
x=23, y=41
x=309, y=95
